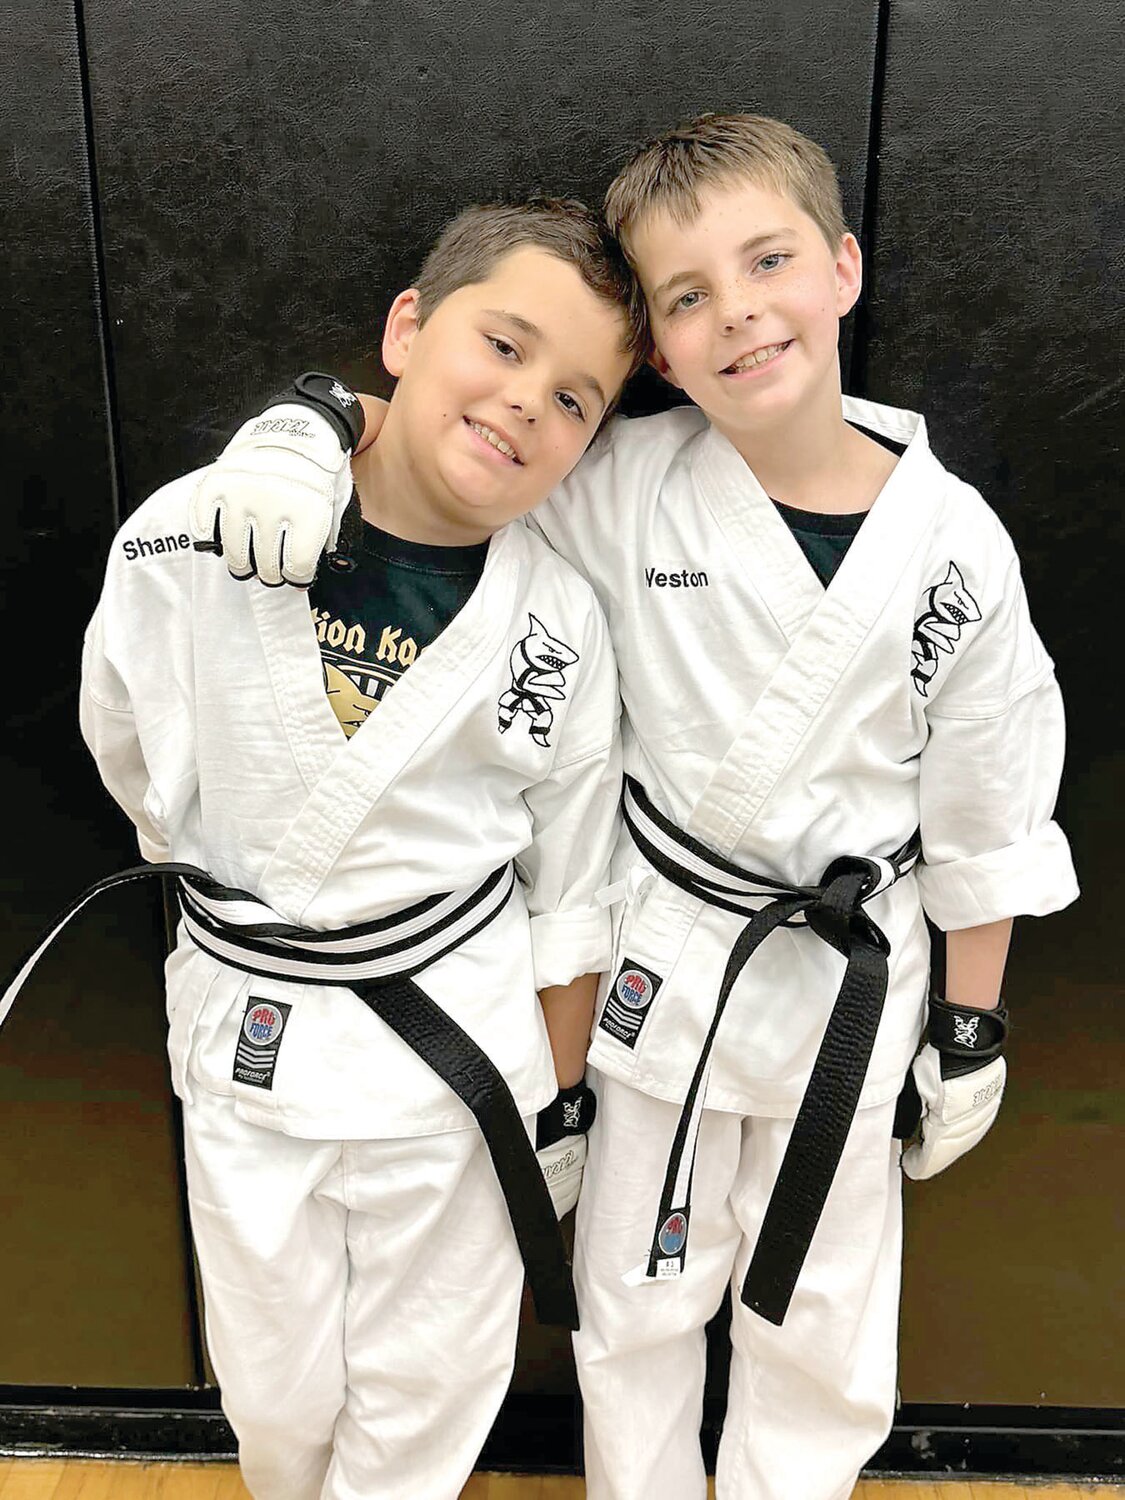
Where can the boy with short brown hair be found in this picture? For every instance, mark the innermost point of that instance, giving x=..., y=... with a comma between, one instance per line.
x=391, y=818
x=829, y=670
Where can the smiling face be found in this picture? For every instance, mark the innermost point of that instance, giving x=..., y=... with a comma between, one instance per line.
x=744, y=303
x=500, y=390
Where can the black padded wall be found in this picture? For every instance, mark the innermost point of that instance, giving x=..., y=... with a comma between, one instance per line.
x=88, y=1178
x=996, y=308
x=265, y=180
x=269, y=175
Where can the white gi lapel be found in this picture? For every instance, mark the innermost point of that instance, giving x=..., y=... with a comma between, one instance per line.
x=825, y=627
x=764, y=546
x=293, y=661
x=347, y=777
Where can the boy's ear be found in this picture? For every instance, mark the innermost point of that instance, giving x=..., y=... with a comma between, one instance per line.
x=849, y=274
x=662, y=367
x=398, y=335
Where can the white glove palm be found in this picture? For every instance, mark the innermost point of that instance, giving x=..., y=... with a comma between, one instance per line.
x=957, y=1112
x=273, y=500
x=562, y=1164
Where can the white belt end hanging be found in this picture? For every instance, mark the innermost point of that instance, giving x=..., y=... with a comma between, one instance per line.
x=610, y=895
x=638, y=878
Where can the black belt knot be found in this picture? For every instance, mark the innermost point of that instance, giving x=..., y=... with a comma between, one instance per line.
x=834, y=912
x=837, y=915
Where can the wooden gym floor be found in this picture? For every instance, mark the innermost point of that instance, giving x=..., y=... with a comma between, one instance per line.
x=75, y=1479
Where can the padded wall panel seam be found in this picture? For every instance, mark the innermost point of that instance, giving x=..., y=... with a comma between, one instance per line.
x=98, y=266
x=854, y=361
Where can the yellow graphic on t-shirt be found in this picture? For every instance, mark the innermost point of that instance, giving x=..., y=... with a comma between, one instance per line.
x=355, y=687
x=349, y=705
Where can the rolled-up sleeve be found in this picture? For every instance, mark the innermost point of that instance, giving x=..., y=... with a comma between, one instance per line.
x=989, y=777
x=574, y=816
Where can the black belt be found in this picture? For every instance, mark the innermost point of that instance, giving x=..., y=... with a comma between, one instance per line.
x=833, y=910
x=377, y=960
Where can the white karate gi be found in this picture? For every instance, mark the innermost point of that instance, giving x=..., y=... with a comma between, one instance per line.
x=203, y=703
x=784, y=725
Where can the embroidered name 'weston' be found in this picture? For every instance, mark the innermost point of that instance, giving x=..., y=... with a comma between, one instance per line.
x=681, y=580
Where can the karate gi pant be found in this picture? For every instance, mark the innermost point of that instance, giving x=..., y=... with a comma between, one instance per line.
x=362, y=1300
x=809, y=1402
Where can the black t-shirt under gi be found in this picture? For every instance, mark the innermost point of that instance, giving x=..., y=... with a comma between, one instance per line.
x=374, y=618
x=825, y=539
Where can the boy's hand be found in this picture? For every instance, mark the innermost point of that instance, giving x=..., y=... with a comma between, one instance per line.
x=958, y=1083
x=560, y=1143
x=274, y=498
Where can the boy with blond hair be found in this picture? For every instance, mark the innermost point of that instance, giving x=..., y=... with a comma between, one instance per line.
x=839, y=721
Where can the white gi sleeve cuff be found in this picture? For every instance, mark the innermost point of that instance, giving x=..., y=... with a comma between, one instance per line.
x=1027, y=879
x=565, y=944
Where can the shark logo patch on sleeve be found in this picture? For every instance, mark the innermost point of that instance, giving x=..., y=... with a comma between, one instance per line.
x=949, y=608
x=627, y=1005
x=537, y=665
x=259, y=1038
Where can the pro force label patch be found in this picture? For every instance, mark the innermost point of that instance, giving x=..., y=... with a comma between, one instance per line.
x=259, y=1039
x=628, y=1003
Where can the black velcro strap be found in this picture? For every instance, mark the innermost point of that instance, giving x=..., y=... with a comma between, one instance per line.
x=334, y=400
x=458, y=1061
x=959, y=1031
x=570, y=1112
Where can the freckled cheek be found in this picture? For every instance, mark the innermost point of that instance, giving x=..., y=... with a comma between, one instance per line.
x=682, y=350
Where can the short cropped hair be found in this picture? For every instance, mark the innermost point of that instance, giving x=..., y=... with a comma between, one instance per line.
x=720, y=150
x=470, y=246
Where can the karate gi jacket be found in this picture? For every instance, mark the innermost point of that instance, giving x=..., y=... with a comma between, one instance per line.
x=783, y=724
x=203, y=702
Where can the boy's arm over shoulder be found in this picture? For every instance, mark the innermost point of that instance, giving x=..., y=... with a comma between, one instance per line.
x=990, y=769
x=597, y=502
x=574, y=808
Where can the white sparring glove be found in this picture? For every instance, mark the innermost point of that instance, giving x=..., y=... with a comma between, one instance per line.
x=274, y=498
x=957, y=1083
x=560, y=1143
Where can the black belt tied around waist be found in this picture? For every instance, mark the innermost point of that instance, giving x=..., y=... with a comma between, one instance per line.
x=377, y=961
x=833, y=910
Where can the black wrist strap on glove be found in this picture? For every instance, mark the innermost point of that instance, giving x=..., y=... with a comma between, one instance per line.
x=334, y=400
x=570, y=1112
x=966, y=1039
